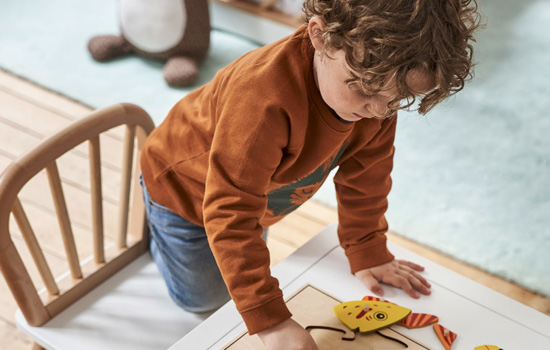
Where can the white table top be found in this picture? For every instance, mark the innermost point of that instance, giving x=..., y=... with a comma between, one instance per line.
x=479, y=315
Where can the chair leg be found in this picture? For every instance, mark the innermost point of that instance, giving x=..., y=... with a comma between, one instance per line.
x=35, y=346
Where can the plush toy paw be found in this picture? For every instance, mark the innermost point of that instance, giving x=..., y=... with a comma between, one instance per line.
x=107, y=47
x=180, y=71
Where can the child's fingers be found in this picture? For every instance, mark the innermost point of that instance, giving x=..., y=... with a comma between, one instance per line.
x=370, y=282
x=412, y=265
x=403, y=282
x=420, y=284
x=416, y=276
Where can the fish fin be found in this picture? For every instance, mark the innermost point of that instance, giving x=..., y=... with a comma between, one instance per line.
x=418, y=320
x=446, y=337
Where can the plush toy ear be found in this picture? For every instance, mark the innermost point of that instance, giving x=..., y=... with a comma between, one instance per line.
x=106, y=47
x=180, y=71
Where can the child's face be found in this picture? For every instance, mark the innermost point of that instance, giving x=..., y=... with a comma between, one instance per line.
x=331, y=74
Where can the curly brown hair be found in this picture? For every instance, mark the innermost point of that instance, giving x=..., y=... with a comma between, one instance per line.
x=386, y=38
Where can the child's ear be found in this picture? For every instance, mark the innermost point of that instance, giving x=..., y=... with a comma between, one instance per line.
x=316, y=28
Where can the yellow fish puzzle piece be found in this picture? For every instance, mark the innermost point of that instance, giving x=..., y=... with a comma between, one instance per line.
x=487, y=347
x=370, y=315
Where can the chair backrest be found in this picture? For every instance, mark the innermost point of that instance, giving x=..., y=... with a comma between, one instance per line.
x=131, y=236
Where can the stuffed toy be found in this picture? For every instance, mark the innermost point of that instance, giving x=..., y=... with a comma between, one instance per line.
x=174, y=31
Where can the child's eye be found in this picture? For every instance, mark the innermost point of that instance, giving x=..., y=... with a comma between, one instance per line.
x=355, y=88
x=364, y=94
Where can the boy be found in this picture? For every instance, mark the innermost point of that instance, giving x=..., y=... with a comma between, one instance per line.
x=241, y=152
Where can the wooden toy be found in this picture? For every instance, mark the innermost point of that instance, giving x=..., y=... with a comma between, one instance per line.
x=367, y=316
x=418, y=320
x=313, y=310
x=445, y=336
x=413, y=320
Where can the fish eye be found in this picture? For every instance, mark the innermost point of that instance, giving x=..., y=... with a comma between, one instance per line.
x=380, y=316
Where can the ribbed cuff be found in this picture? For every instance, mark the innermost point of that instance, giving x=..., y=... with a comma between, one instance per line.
x=266, y=315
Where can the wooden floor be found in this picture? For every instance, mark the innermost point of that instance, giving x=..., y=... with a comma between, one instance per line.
x=29, y=113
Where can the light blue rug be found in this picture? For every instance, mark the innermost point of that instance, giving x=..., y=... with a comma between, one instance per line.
x=45, y=41
x=472, y=179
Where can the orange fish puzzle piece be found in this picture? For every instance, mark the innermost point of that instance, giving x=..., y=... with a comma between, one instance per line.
x=446, y=337
x=415, y=320
x=371, y=298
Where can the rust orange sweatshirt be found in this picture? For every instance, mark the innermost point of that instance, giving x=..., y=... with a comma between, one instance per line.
x=249, y=147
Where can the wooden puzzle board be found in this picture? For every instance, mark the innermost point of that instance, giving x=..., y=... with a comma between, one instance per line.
x=312, y=309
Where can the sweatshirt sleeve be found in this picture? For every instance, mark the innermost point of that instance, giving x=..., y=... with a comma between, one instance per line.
x=362, y=185
x=246, y=149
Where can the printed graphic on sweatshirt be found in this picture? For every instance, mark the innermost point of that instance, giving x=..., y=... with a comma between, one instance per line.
x=286, y=199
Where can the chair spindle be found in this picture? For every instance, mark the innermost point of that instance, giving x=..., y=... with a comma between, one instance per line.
x=97, y=200
x=34, y=248
x=124, y=202
x=64, y=221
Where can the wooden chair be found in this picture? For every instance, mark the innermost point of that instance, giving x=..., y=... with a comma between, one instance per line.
x=115, y=299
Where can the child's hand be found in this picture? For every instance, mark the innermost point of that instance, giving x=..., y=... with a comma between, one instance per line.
x=287, y=335
x=398, y=273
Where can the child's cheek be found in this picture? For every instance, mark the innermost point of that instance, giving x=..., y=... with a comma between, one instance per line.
x=349, y=98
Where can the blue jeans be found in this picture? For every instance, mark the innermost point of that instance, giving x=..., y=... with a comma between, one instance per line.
x=180, y=250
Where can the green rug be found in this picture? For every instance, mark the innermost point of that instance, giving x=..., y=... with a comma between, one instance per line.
x=472, y=179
